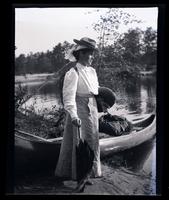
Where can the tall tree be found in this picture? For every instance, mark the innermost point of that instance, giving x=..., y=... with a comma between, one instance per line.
x=149, y=49
x=108, y=25
x=57, y=58
x=131, y=43
x=20, y=64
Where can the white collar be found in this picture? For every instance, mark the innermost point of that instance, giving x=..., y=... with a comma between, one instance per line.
x=79, y=65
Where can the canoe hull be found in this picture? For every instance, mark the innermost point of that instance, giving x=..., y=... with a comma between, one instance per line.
x=34, y=154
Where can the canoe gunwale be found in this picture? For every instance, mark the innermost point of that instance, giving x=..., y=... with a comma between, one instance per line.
x=102, y=140
x=36, y=138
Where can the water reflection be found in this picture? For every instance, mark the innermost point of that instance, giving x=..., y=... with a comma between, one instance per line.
x=144, y=99
x=138, y=98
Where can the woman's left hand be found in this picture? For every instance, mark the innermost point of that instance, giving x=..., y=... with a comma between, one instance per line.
x=76, y=122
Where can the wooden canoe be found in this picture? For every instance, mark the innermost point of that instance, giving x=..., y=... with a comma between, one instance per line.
x=34, y=152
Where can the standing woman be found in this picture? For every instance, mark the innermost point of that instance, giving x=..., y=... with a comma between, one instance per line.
x=79, y=87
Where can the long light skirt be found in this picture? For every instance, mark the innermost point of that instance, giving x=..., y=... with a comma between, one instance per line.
x=87, y=112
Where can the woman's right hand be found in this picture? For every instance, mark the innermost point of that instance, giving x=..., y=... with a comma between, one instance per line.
x=76, y=122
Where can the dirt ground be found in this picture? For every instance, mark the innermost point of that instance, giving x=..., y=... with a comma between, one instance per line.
x=115, y=181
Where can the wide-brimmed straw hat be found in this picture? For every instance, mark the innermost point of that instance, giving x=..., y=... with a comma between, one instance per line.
x=86, y=42
x=83, y=43
x=106, y=95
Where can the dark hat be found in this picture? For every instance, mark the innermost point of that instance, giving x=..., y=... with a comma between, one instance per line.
x=86, y=42
x=107, y=95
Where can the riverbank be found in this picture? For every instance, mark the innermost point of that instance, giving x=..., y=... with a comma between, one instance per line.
x=115, y=181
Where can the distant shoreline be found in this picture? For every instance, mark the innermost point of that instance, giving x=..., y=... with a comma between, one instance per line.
x=31, y=77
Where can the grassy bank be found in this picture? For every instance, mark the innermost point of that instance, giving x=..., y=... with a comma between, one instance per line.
x=40, y=126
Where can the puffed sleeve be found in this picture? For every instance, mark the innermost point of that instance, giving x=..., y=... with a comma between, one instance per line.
x=69, y=92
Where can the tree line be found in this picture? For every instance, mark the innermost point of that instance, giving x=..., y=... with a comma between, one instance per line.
x=135, y=49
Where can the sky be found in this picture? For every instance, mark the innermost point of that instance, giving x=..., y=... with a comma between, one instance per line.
x=40, y=29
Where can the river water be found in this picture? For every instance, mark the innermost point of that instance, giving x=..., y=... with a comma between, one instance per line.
x=136, y=100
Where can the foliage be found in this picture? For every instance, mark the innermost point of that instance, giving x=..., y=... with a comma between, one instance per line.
x=20, y=93
x=108, y=24
x=149, y=57
x=38, y=125
x=130, y=44
x=118, y=78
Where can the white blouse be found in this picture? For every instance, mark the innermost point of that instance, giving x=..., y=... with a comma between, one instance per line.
x=83, y=82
